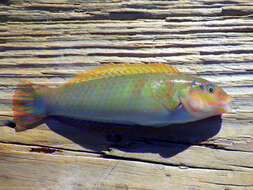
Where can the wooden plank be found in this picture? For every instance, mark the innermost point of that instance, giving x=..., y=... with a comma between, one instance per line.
x=59, y=170
x=48, y=43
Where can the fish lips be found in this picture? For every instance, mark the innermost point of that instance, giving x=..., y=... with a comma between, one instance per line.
x=225, y=107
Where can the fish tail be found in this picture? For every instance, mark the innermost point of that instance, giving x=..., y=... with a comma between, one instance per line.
x=28, y=109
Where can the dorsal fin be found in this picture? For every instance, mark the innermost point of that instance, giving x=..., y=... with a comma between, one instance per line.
x=121, y=69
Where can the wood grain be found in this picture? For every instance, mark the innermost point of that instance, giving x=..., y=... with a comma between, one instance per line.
x=49, y=42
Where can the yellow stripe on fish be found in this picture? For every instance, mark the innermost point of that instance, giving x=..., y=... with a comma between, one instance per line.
x=122, y=69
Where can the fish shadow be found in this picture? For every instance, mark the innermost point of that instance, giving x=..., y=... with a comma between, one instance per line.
x=166, y=141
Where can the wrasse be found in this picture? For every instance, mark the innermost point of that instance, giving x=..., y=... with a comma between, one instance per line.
x=152, y=95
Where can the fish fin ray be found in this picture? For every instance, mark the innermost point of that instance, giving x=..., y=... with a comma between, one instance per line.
x=24, y=111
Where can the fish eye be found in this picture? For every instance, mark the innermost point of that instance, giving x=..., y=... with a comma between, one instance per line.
x=211, y=88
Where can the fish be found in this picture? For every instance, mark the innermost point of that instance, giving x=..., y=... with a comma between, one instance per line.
x=155, y=95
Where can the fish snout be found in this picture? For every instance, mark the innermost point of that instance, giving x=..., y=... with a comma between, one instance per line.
x=226, y=105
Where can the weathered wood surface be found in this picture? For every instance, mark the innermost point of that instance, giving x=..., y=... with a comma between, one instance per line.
x=49, y=41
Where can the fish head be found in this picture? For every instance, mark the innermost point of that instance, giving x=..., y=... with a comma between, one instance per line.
x=205, y=99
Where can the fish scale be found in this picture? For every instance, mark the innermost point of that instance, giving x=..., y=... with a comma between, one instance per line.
x=106, y=100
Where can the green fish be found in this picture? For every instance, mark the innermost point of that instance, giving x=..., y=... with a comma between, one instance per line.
x=154, y=95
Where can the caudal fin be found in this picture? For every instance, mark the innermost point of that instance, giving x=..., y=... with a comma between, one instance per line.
x=26, y=106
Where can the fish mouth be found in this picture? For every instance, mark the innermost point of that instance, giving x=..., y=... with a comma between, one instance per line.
x=226, y=106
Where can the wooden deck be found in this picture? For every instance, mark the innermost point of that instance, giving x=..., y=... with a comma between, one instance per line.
x=48, y=43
